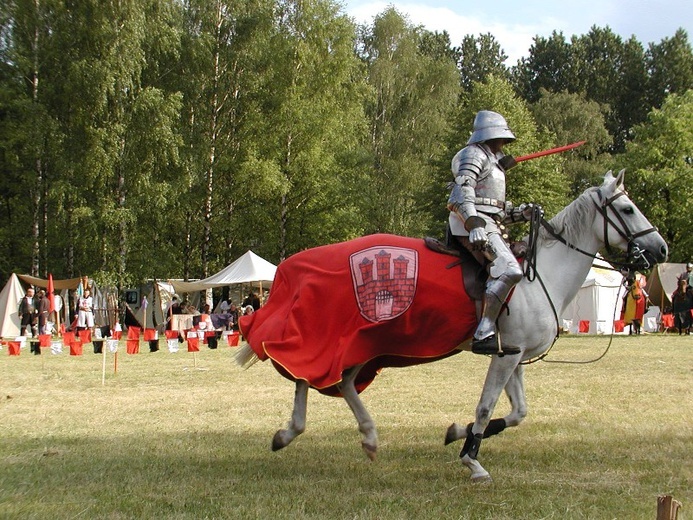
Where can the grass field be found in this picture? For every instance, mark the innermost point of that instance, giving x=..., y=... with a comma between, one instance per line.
x=163, y=439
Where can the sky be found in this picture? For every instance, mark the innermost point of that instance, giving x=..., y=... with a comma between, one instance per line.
x=514, y=23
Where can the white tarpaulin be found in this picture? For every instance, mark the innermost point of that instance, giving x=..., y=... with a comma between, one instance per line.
x=598, y=301
x=10, y=296
x=249, y=268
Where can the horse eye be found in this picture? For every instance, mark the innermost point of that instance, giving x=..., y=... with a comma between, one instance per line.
x=629, y=210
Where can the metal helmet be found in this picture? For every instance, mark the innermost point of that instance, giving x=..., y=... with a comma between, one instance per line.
x=490, y=125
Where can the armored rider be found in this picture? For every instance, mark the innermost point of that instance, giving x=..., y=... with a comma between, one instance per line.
x=478, y=209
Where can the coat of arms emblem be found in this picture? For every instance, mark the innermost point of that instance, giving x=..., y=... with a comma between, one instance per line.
x=384, y=280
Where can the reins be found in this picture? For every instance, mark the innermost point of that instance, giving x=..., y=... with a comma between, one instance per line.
x=530, y=271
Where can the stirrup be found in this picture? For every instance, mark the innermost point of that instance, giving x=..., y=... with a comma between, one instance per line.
x=489, y=346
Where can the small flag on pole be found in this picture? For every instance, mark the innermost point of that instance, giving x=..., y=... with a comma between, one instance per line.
x=51, y=290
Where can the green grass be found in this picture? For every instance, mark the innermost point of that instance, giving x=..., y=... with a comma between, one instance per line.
x=163, y=439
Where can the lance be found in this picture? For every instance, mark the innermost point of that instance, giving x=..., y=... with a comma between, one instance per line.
x=508, y=161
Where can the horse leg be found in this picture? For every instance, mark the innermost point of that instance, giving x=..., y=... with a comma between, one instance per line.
x=497, y=377
x=366, y=424
x=297, y=424
x=515, y=390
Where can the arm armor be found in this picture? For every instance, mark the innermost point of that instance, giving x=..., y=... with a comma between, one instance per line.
x=467, y=167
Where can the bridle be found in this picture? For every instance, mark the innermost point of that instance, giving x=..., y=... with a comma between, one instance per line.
x=638, y=256
x=640, y=261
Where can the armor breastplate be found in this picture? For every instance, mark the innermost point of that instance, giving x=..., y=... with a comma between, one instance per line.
x=477, y=162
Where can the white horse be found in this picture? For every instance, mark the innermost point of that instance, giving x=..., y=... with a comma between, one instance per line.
x=565, y=248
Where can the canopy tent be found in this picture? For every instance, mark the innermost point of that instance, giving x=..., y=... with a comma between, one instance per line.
x=71, y=283
x=249, y=268
x=598, y=301
x=662, y=283
x=10, y=296
x=159, y=295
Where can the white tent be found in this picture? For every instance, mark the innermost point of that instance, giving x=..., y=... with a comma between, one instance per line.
x=10, y=296
x=249, y=268
x=598, y=301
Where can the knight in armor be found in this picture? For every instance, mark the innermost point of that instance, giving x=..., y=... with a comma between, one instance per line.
x=478, y=212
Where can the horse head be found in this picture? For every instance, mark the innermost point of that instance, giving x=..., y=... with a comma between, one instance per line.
x=622, y=225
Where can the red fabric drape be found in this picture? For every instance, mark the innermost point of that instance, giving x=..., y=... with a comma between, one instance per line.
x=380, y=300
x=68, y=338
x=44, y=340
x=584, y=326
x=85, y=336
x=619, y=325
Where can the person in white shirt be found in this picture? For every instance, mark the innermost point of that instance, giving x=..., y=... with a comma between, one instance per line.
x=85, y=314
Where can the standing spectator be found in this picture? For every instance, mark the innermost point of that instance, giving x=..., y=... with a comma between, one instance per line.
x=85, y=313
x=682, y=302
x=233, y=317
x=44, y=307
x=252, y=300
x=172, y=308
x=634, y=303
x=687, y=274
x=28, y=312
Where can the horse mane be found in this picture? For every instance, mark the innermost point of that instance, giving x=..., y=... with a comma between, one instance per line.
x=571, y=220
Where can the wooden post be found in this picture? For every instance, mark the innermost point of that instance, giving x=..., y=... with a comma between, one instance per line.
x=103, y=363
x=667, y=507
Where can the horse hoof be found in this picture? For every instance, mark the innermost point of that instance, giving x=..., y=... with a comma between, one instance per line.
x=454, y=433
x=278, y=441
x=483, y=478
x=370, y=450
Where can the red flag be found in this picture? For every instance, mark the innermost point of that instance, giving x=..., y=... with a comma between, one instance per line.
x=51, y=289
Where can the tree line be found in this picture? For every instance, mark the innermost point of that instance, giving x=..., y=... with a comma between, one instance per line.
x=163, y=138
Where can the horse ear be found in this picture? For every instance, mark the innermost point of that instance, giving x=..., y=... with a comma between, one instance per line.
x=608, y=187
x=620, y=177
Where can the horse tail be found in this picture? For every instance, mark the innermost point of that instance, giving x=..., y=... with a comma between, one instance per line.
x=246, y=357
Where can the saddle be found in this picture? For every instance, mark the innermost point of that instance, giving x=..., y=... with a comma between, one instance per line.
x=474, y=274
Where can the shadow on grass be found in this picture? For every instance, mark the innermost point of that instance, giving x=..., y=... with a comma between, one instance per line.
x=205, y=475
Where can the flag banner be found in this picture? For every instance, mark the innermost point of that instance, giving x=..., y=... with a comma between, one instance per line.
x=56, y=347
x=112, y=345
x=150, y=334
x=134, y=333
x=117, y=334
x=76, y=348
x=22, y=341
x=171, y=334
x=13, y=348
x=85, y=336
x=584, y=326
x=619, y=325
x=172, y=345
x=68, y=338
x=44, y=340
x=361, y=302
x=209, y=334
x=51, y=297
x=133, y=346
x=193, y=344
